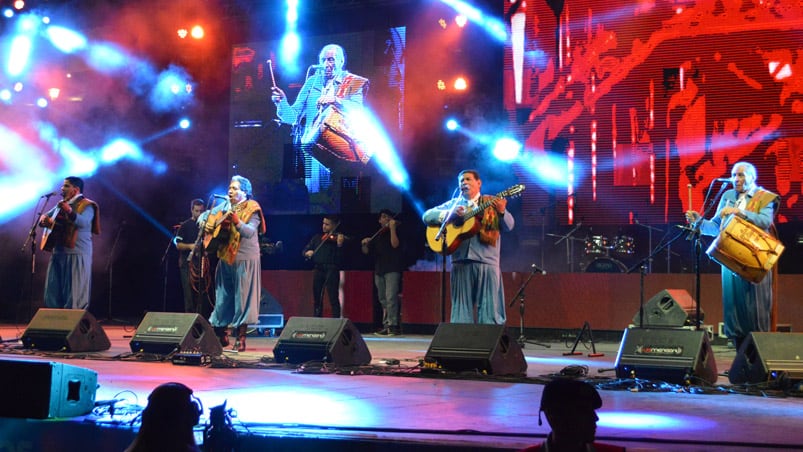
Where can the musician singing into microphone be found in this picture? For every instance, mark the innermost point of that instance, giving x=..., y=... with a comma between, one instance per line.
x=324, y=250
x=476, y=280
x=746, y=307
x=234, y=228
x=385, y=247
x=68, y=235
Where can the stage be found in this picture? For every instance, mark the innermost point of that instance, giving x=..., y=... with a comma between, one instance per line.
x=392, y=404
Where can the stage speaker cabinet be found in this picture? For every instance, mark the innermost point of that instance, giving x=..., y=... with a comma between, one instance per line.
x=488, y=349
x=42, y=389
x=163, y=333
x=669, y=307
x=673, y=355
x=768, y=358
x=67, y=330
x=321, y=339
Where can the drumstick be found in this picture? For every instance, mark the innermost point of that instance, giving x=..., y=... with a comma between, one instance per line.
x=272, y=79
x=688, y=186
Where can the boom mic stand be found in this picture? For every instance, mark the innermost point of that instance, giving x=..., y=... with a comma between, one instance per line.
x=520, y=296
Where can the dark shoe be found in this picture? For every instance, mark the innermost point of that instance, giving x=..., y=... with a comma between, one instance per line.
x=242, y=331
x=222, y=335
x=386, y=332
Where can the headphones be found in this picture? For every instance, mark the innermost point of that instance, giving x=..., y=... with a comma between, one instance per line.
x=173, y=401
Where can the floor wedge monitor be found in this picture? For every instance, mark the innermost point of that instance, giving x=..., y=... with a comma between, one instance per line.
x=768, y=358
x=163, y=333
x=673, y=355
x=42, y=389
x=68, y=330
x=462, y=347
x=334, y=341
x=669, y=307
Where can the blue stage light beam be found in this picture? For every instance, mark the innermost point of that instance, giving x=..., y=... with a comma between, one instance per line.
x=66, y=40
x=506, y=149
x=549, y=170
x=290, y=46
x=493, y=26
x=368, y=129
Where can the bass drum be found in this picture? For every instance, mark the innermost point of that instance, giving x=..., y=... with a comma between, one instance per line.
x=605, y=265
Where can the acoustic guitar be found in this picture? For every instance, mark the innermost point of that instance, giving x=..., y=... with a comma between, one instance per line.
x=220, y=233
x=465, y=226
x=53, y=235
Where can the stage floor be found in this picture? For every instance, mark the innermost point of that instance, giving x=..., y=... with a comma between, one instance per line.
x=392, y=405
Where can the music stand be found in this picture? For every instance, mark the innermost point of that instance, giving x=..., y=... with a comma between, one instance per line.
x=520, y=296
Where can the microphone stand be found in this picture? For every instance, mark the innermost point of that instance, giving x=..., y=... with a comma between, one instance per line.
x=110, y=268
x=643, y=265
x=164, y=262
x=695, y=235
x=649, y=243
x=520, y=296
x=31, y=237
x=441, y=236
x=568, y=238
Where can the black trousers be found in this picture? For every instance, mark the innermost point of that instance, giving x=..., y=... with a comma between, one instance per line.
x=326, y=277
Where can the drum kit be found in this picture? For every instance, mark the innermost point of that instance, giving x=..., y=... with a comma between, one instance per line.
x=601, y=253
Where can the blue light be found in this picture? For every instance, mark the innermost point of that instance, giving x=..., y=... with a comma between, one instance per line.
x=184, y=124
x=507, y=149
x=41, y=102
x=653, y=422
x=550, y=170
x=19, y=55
x=452, y=125
x=68, y=41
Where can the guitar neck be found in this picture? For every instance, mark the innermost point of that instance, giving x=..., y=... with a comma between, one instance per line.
x=480, y=207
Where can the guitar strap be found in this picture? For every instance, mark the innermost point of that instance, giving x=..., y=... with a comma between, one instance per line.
x=489, y=225
x=245, y=213
x=71, y=231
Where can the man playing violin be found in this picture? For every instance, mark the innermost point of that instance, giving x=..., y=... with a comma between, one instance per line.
x=324, y=250
x=385, y=248
x=476, y=278
x=238, y=280
x=70, y=225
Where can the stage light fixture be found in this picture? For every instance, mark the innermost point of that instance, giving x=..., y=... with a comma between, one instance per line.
x=452, y=124
x=461, y=20
x=506, y=149
x=197, y=32
x=182, y=33
x=460, y=84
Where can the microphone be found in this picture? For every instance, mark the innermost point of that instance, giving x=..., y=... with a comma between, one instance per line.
x=536, y=269
x=220, y=197
x=48, y=195
x=722, y=179
x=317, y=66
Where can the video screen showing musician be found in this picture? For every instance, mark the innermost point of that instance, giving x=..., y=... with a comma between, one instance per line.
x=321, y=115
x=68, y=229
x=476, y=278
x=231, y=229
x=325, y=252
x=746, y=306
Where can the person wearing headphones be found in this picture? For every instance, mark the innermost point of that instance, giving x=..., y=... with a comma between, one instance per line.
x=569, y=406
x=168, y=421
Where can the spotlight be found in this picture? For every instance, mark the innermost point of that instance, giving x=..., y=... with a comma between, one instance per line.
x=184, y=124
x=197, y=32
x=461, y=20
x=506, y=149
x=452, y=125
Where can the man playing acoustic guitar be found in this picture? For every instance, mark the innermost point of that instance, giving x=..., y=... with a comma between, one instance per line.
x=68, y=235
x=476, y=280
